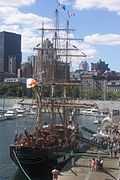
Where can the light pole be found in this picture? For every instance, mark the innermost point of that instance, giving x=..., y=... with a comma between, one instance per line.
x=104, y=90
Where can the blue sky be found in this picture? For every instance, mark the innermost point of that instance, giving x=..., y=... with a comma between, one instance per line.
x=96, y=21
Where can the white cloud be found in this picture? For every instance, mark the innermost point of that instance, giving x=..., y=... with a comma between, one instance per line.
x=103, y=39
x=67, y=2
x=16, y=2
x=110, y=5
x=12, y=15
x=26, y=24
x=12, y=19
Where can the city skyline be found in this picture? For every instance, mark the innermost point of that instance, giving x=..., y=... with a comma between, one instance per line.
x=97, y=22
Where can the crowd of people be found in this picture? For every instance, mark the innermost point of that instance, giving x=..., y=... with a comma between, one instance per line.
x=96, y=164
x=53, y=135
x=109, y=141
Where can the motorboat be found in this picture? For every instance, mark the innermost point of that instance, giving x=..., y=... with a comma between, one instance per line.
x=91, y=112
x=32, y=112
x=107, y=122
x=10, y=114
x=19, y=115
x=19, y=108
x=100, y=135
x=96, y=121
x=107, y=119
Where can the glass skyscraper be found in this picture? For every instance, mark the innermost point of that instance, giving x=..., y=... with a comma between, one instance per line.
x=10, y=53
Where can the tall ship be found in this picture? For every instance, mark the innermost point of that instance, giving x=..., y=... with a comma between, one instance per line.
x=49, y=145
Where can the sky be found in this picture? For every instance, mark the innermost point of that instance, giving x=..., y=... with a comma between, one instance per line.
x=97, y=22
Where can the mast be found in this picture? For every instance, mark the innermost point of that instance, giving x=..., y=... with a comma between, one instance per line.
x=58, y=52
x=54, y=61
x=66, y=63
x=38, y=89
x=55, y=47
x=42, y=53
x=38, y=93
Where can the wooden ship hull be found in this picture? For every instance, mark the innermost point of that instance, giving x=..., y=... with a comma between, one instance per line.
x=37, y=162
x=38, y=152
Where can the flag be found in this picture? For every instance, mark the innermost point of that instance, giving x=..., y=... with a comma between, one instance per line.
x=70, y=14
x=75, y=47
x=84, y=54
x=31, y=83
x=38, y=45
x=62, y=6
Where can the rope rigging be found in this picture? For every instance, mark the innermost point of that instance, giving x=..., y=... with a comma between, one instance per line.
x=20, y=166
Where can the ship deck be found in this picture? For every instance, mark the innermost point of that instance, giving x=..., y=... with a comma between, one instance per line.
x=82, y=171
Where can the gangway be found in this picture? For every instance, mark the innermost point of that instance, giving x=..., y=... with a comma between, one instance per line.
x=86, y=140
x=88, y=130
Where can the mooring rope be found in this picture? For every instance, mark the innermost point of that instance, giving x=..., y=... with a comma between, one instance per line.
x=22, y=169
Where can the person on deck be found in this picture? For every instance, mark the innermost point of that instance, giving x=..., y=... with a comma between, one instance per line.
x=55, y=174
x=93, y=164
x=119, y=160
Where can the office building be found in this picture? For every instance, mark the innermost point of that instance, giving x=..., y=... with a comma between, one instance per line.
x=84, y=66
x=10, y=54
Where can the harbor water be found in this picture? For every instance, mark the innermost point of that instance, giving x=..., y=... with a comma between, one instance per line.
x=8, y=128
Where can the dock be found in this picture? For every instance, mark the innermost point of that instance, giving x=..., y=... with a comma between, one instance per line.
x=81, y=170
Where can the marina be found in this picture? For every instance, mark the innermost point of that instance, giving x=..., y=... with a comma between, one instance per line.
x=70, y=172
x=82, y=170
x=8, y=128
x=56, y=134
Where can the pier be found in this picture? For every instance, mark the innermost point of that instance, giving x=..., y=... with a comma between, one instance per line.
x=81, y=169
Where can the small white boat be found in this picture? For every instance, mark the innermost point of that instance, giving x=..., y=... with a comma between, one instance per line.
x=34, y=106
x=19, y=115
x=20, y=110
x=10, y=114
x=32, y=112
x=100, y=135
x=107, y=119
x=91, y=112
x=96, y=122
